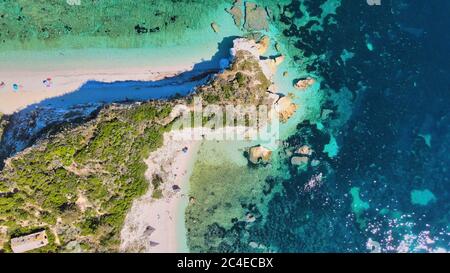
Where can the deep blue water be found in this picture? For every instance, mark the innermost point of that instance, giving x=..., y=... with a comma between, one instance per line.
x=395, y=145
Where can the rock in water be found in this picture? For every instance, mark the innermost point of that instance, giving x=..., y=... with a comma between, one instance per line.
x=304, y=150
x=285, y=108
x=259, y=154
x=263, y=45
x=255, y=17
x=304, y=83
x=215, y=27
x=250, y=218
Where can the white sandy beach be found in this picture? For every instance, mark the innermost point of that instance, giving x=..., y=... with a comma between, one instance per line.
x=157, y=225
x=69, y=72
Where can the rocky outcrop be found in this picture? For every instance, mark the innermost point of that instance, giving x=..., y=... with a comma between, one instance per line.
x=302, y=156
x=105, y=155
x=304, y=83
x=259, y=154
x=245, y=82
x=263, y=45
x=285, y=108
x=304, y=150
x=268, y=66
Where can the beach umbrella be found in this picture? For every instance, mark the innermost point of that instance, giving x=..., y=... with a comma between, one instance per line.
x=47, y=82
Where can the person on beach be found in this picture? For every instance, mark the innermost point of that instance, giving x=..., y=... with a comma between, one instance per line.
x=2, y=84
x=47, y=82
x=15, y=87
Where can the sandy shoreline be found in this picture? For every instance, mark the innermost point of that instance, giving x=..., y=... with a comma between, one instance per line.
x=31, y=88
x=157, y=225
x=69, y=69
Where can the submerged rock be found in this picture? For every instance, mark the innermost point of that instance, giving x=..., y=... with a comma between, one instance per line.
x=253, y=244
x=236, y=12
x=326, y=113
x=315, y=163
x=259, y=154
x=299, y=161
x=255, y=17
x=250, y=218
x=422, y=197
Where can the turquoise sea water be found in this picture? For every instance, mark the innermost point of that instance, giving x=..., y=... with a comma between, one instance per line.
x=381, y=149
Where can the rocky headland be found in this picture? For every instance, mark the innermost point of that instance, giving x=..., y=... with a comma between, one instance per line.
x=79, y=183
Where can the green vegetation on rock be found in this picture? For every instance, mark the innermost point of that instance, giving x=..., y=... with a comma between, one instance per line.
x=243, y=83
x=80, y=183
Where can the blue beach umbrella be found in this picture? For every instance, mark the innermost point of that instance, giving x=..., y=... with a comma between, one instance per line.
x=15, y=87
